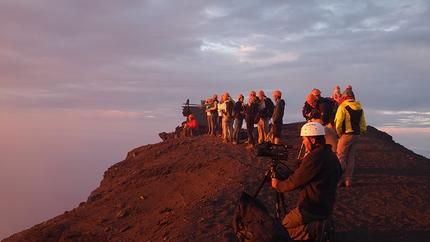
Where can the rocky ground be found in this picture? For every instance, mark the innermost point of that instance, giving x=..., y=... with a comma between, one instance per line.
x=187, y=189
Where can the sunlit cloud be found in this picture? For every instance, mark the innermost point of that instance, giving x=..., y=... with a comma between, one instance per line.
x=250, y=53
x=407, y=118
x=213, y=12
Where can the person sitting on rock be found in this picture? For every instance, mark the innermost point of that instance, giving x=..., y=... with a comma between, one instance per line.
x=191, y=127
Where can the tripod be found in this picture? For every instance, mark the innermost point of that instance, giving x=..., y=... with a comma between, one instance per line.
x=273, y=173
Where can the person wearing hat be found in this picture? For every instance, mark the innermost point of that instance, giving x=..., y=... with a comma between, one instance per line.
x=350, y=123
x=239, y=114
x=317, y=178
x=347, y=88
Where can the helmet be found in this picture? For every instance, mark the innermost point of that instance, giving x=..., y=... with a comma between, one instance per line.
x=312, y=129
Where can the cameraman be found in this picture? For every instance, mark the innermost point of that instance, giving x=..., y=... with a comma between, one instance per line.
x=317, y=177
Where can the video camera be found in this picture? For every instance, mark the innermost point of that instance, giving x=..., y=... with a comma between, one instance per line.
x=274, y=151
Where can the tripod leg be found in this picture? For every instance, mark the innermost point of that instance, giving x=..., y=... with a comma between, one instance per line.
x=284, y=205
x=278, y=212
x=268, y=173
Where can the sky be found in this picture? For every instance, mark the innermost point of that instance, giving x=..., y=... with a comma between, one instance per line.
x=84, y=82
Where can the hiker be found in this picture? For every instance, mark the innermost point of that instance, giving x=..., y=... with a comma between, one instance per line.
x=350, y=124
x=250, y=112
x=214, y=115
x=310, y=110
x=265, y=106
x=207, y=105
x=227, y=117
x=278, y=114
x=317, y=178
x=337, y=95
x=191, y=127
x=330, y=135
x=239, y=114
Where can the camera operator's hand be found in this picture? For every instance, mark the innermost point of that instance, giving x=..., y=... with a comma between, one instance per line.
x=274, y=182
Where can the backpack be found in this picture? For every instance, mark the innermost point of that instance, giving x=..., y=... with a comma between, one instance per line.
x=229, y=110
x=252, y=222
x=257, y=117
x=270, y=107
x=331, y=109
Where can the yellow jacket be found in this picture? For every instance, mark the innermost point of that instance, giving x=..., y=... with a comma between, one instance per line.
x=350, y=118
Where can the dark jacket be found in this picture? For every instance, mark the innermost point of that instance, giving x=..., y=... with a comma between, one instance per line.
x=278, y=112
x=250, y=111
x=237, y=109
x=317, y=177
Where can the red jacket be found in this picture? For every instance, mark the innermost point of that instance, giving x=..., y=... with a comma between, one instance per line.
x=193, y=124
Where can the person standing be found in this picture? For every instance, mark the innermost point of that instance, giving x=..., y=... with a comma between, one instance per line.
x=214, y=115
x=278, y=114
x=227, y=117
x=239, y=113
x=336, y=96
x=265, y=106
x=310, y=110
x=207, y=105
x=219, y=121
x=250, y=112
x=317, y=178
x=350, y=123
x=330, y=135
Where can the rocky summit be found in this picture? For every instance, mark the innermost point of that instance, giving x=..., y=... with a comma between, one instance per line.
x=187, y=189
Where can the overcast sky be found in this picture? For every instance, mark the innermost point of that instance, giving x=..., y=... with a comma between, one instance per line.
x=84, y=82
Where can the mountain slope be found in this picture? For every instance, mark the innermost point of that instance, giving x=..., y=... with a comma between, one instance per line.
x=187, y=189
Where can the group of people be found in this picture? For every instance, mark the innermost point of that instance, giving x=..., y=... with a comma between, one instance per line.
x=225, y=117
x=330, y=138
x=343, y=120
x=323, y=168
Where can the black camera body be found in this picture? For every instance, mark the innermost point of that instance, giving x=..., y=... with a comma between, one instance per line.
x=274, y=151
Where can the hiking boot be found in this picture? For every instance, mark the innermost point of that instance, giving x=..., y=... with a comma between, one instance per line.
x=224, y=141
x=250, y=147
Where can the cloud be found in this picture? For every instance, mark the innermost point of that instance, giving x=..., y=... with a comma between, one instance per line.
x=113, y=74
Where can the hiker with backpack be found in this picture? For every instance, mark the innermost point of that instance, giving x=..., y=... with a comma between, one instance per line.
x=350, y=124
x=317, y=178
